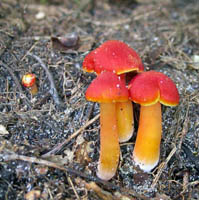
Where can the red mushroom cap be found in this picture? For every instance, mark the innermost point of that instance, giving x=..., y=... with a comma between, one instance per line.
x=150, y=87
x=114, y=56
x=28, y=80
x=107, y=88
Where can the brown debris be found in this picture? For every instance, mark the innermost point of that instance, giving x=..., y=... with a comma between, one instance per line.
x=66, y=42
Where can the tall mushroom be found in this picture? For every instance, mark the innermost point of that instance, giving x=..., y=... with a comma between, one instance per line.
x=149, y=89
x=117, y=57
x=107, y=89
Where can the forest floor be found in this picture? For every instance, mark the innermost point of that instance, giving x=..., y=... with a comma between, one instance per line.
x=49, y=143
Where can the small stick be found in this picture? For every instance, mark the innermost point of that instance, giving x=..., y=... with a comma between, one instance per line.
x=72, y=185
x=75, y=134
x=185, y=182
x=31, y=48
x=184, y=129
x=53, y=90
x=8, y=156
x=162, y=166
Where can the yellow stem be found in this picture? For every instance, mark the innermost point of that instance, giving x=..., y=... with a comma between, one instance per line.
x=34, y=89
x=125, y=120
x=109, y=142
x=147, y=146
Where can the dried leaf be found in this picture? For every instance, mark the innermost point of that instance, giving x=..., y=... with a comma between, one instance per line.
x=86, y=44
x=67, y=42
x=82, y=152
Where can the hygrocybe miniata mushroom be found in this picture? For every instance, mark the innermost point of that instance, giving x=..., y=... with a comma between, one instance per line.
x=29, y=81
x=149, y=89
x=107, y=89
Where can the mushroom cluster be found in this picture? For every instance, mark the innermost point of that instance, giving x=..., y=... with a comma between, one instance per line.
x=111, y=61
x=117, y=57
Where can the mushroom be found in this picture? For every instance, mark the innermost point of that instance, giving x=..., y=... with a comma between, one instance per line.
x=117, y=57
x=107, y=89
x=149, y=89
x=29, y=81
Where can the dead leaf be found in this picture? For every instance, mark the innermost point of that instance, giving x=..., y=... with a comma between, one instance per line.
x=83, y=149
x=86, y=44
x=67, y=42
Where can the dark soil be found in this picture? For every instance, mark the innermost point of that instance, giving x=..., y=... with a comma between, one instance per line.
x=50, y=146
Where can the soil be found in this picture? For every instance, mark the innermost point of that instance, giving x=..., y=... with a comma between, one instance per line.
x=49, y=142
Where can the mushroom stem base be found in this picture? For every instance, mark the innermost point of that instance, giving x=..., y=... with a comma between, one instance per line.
x=33, y=89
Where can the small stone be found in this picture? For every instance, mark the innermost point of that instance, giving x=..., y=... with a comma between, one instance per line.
x=40, y=15
x=195, y=60
x=3, y=130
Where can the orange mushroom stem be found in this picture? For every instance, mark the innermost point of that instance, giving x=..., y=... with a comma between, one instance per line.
x=124, y=115
x=125, y=120
x=109, y=142
x=116, y=56
x=107, y=89
x=149, y=89
x=29, y=81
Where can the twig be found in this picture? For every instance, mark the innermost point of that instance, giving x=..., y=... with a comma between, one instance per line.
x=74, y=82
x=184, y=129
x=162, y=166
x=105, y=195
x=75, y=134
x=27, y=102
x=185, y=182
x=72, y=185
x=8, y=156
x=31, y=48
x=53, y=90
x=92, y=186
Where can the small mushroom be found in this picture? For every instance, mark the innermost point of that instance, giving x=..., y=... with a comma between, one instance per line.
x=29, y=81
x=149, y=89
x=116, y=56
x=107, y=89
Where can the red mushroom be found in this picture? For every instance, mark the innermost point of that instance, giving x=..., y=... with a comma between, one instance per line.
x=29, y=81
x=117, y=57
x=107, y=89
x=149, y=89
